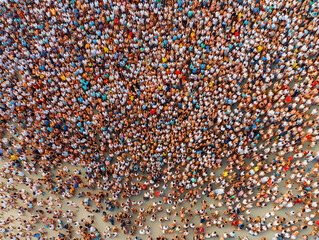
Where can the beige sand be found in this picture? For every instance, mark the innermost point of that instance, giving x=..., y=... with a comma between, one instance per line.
x=155, y=230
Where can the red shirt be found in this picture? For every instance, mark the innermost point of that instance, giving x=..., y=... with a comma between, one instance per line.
x=315, y=83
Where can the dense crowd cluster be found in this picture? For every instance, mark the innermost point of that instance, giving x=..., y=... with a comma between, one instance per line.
x=152, y=98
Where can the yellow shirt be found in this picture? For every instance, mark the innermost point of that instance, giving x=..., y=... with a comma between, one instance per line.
x=260, y=48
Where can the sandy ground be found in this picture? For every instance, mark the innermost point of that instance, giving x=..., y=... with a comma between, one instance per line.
x=155, y=230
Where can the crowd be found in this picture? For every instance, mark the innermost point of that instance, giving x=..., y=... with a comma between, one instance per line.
x=152, y=98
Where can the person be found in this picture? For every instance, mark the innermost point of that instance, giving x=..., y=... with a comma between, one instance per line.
x=145, y=95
